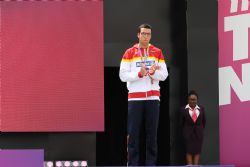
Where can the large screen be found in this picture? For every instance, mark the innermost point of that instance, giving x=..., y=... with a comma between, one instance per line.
x=51, y=66
x=234, y=81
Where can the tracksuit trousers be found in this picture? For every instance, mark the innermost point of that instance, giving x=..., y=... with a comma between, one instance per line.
x=147, y=110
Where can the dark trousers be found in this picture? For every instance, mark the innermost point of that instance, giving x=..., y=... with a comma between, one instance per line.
x=137, y=110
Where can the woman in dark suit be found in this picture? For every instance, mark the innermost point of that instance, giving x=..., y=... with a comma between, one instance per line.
x=193, y=122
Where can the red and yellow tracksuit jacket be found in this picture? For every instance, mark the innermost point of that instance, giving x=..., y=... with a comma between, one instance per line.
x=147, y=87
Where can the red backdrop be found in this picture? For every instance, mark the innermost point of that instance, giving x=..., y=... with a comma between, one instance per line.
x=52, y=66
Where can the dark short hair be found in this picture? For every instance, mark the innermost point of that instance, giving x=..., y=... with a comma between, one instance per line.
x=144, y=26
x=192, y=92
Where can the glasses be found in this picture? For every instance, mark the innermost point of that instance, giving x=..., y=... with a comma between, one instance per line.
x=145, y=34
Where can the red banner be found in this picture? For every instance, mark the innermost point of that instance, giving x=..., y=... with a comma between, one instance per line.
x=52, y=66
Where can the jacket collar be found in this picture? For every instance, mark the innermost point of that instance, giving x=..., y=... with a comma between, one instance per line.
x=137, y=45
x=196, y=107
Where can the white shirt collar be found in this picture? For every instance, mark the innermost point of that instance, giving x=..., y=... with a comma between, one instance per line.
x=196, y=107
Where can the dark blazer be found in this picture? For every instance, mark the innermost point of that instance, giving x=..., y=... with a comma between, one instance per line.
x=191, y=129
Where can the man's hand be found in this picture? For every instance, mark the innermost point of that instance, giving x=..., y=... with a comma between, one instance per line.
x=153, y=68
x=143, y=71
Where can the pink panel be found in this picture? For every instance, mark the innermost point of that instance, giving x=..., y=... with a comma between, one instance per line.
x=234, y=117
x=52, y=66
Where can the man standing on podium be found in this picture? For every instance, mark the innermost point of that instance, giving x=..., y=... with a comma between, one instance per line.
x=142, y=67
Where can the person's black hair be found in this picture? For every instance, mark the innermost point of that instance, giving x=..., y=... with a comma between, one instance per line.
x=192, y=92
x=144, y=26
